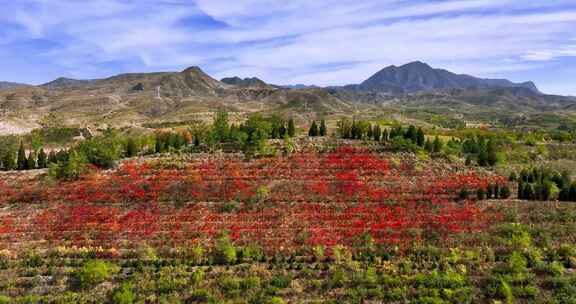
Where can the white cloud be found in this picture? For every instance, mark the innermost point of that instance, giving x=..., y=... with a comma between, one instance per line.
x=299, y=40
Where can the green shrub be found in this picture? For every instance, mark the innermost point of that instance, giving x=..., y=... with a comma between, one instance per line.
x=200, y=296
x=124, y=295
x=526, y=292
x=230, y=286
x=499, y=289
x=5, y=300
x=250, y=283
x=281, y=281
x=553, y=269
x=225, y=252
x=94, y=272
x=275, y=300
x=337, y=278
x=169, y=280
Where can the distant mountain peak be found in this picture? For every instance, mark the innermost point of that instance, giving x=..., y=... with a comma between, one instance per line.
x=419, y=76
x=246, y=82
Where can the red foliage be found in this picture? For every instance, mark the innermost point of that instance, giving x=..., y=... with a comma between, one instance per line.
x=367, y=195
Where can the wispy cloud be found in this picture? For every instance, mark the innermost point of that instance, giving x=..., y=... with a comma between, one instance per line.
x=296, y=41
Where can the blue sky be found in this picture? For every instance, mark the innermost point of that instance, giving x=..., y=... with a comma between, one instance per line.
x=322, y=42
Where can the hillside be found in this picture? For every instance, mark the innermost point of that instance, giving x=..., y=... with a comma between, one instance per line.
x=140, y=98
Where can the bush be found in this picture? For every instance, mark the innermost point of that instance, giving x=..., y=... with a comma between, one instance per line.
x=5, y=300
x=500, y=289
x=230, y=286
x=225, y=252
x=275, y=300
x=124, y=295
x=95, y=272
x=200, y=296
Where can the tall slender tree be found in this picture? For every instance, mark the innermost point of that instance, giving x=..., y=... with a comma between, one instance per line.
x=42, y=159
x=323, y=130
x=21, y=162
x=291, y=128
x=313, y=132
x=8, y=161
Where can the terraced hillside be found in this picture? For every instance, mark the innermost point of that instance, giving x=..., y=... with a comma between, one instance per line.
x=343, y=225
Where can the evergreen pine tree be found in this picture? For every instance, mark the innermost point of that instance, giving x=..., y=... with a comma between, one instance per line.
x=505, y=192
x=429, y=146
x=483, y=157
x=313, y=132
x=8, y=161
x=369, y=133
x=492, y=157
x=420, y=137
x=42, y=159
x=52, y=159
x=31, y=161
x=411, y=134
x=131, y=147
x=291, y=128
x=385, y=135
x=481, y=194
x=323, y=130
x=377, y=132
x=529, y=192
x=572, y=193
x=21, y=161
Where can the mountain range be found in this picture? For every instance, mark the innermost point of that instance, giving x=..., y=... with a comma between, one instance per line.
x=137, y=98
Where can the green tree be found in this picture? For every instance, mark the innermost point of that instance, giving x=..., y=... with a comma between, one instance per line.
x=131, y=147
x=505, y=192
x=8, y=161
x=313, y=132
x=420, y=137
x=323, y=130
x=377, y=132
x=21, y=161
x=291, y=128
x=385, y=135
x=52, y=159
x=70, y=169
x=492, y=157
x=42, y=159
x=31, y=161
x=221, y=127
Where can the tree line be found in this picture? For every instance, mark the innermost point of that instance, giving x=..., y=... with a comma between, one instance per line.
x=544, y=184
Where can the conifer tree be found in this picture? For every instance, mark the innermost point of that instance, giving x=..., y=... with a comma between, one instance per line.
x=323, y=130
x=131, y=147
x=8, y=161
x=291, y=128
x=52, y=159
x=313, y=132
x=377, y=132
x=31, y=161
x=42, y=159
x=21, y=161
x=385, y=135
x=369, y=133
x=420, y=137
